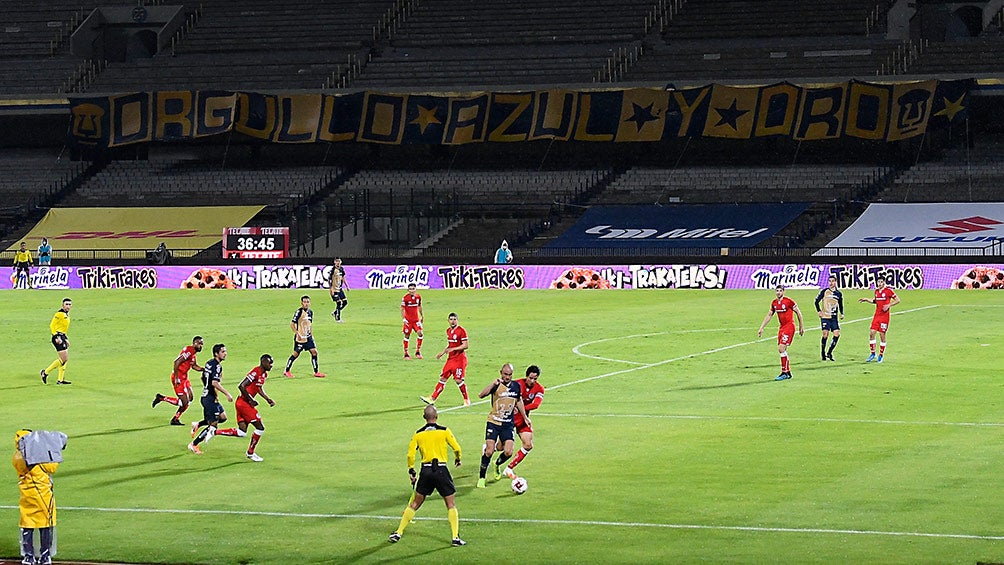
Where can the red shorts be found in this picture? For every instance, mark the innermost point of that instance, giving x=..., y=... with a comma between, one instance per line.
x=880, y=324
x=455, y=367
x=785, y=334
x=181, y=384
x=522, y=427
x=245, y=412
x=411, y=326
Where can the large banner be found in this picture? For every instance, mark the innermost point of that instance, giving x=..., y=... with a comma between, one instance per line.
x=484, y=277
x=943, y=225
x=678, y=225
x=192, y=227
x=872, y=111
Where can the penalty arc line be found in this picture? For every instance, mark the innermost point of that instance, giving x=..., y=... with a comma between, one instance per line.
x=603, y=523
x=667, y=361
x=577, y=349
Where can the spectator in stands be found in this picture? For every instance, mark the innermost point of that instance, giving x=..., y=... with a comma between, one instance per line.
x=503, y=256
x=44, y=253
x=160, y=255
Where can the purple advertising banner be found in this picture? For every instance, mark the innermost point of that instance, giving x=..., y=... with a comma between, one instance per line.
x=565, y=277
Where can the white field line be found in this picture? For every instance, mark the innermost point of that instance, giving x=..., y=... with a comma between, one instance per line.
x=468, y=519
x=777, y=419
x=643, y=366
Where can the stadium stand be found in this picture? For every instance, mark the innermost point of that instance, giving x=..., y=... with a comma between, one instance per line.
x=34, y=56
x=487, y=193
x=715, y=184
x=757, y=60
x=731, y=19
x=451, y=43
x=411, y=67
x=196, y=181
x=31, y=178
x=962, y=175
x=257, y=44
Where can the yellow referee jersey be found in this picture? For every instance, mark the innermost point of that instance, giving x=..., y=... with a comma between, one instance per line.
x=60, y=322
x=22, y=257
x=432, y=441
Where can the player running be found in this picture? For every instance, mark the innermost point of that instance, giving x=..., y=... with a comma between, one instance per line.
x=246, y=406
x=184, y=362
x=885, y=299
x=412, y=317
x=532, y=394
x=212, y=410
x=784, y=307
x=830, y=302
x=456, y=362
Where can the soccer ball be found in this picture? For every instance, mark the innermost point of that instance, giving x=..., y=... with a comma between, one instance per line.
x=519, y=485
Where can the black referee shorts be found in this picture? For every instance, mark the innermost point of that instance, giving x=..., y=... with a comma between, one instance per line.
x=435, y=476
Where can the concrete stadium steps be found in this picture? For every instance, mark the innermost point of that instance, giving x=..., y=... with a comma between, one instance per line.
x=729, y=19
x=775, y=59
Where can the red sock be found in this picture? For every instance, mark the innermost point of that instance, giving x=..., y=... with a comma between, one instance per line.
x=519, y=457
x=438, y=390
x=881, y=349
x=785, y=367
x=254, y=440
x=405, y=347
x=181, y=410
x=463, y=389
x=172, y=400
x=227, y=432
x=871, y=345
x=418, y=345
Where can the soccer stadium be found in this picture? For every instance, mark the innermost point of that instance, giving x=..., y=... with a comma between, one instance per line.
x=685, y=281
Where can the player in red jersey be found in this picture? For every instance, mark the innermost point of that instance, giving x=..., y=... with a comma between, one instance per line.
x=532, y=393
x=456, y=363
x=246, y=406
x=412, y=316
x=184, y=362
x=884, y=300
x=784, y=307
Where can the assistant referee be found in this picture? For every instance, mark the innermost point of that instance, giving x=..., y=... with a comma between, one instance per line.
x=432, y=441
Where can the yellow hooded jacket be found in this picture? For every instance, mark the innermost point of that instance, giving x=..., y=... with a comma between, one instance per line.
x=38, y=507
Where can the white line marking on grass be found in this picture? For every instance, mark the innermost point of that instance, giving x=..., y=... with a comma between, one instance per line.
x=469, y=519
x=778, y=419
x=577, y=349
x=641, y=366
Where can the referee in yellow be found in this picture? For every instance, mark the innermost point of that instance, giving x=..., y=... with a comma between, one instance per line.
x=431, y=440
x=58, y=326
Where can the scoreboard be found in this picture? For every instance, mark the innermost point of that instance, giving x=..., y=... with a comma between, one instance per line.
x=256, y=243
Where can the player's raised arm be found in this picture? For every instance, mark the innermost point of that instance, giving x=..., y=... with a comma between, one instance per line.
x=894, y=301
x=490, y=388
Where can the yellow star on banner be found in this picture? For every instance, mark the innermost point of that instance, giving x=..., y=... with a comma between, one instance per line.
x=426, y=117
x=951, y=108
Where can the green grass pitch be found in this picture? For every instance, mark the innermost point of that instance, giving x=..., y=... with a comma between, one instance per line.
x=662, y=438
